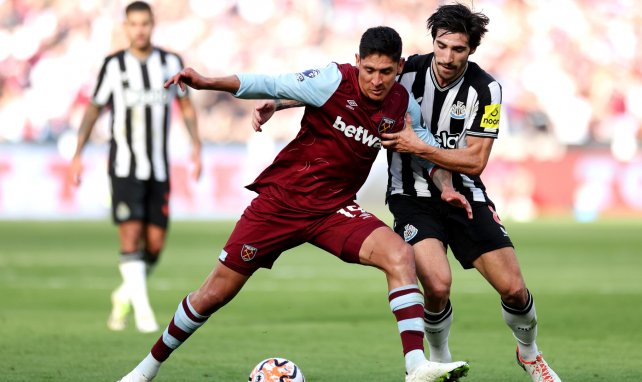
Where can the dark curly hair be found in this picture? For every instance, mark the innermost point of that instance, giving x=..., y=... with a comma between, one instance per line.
x=458, y=18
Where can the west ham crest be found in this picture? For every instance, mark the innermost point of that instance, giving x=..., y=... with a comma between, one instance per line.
x=386, y=125
x=248, y=252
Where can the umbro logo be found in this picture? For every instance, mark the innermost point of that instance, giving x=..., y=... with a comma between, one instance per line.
x=351, y=104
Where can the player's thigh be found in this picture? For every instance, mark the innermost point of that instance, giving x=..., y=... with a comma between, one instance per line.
x=421, y=222
x=343, y=233
x=471, y=238
x=157, y=204
x=264, y=231
x=433, y=268
x=384, y=249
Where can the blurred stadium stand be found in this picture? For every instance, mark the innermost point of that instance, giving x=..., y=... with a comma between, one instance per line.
x=571, y=72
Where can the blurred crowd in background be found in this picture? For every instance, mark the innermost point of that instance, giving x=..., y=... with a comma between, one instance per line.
x=571, y=70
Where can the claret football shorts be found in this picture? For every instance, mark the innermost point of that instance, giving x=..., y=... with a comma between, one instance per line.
x=268, y=227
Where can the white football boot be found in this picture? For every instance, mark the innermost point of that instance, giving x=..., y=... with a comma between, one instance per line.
x=134, y=376
x=538, y=369
x=438, y=372
x=120, y=308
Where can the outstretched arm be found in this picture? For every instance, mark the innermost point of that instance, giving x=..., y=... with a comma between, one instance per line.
x=190, y=77
x=86, y=126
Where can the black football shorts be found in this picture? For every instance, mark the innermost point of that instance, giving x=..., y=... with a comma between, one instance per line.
x=417, y=218
x=134, y=199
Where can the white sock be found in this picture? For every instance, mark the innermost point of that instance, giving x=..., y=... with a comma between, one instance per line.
x=135, y=282
x=437, y=328
x=148, y=367
x=523, y=323
x=414, y=358
x=120, y=293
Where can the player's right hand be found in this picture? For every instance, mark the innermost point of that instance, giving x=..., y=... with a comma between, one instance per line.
x=456, y=199
x=262, y=113
x=187, y=76
x=75, y=170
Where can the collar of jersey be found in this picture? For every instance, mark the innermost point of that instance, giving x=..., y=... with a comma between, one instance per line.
x=154, y=51
x=450, y=85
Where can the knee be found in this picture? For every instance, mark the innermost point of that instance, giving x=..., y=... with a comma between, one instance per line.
x=206, y=301
x=515, y=295
x=437, y=289
x=153, y=248
x=401, y=260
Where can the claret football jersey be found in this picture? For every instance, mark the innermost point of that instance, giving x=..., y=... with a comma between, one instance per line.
x=328, y=161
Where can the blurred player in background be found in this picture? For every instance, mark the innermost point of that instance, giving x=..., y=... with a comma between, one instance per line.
x=308, y=195
x=460, y=105
x=130, y=84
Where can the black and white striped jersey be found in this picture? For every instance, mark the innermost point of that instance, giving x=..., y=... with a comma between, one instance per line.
x=140, y=112
x=469, y=106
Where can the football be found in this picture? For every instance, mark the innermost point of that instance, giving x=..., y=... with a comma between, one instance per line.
x=276, y=370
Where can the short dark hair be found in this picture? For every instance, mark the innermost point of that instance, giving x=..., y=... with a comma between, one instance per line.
x=458, y=18
x=382, y=40
x=138, y=6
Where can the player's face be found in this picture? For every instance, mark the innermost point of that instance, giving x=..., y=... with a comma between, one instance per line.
x=138, y=27
x=451, y=56
x=377, y=73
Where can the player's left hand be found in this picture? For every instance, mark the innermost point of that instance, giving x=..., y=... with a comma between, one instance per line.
x=404, y=141
x=262, y=112
x=456, y=199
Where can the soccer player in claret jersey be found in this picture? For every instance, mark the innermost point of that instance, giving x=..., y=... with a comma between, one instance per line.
x=308, y=195
x=460, y=104
x=130, y=84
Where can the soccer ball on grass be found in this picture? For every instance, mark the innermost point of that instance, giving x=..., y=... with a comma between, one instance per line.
x=276, y=370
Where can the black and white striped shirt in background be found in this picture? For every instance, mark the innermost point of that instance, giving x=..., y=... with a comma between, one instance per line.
x=469, y=106
x=140, y=112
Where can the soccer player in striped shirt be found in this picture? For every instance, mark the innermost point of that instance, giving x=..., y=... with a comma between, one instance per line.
x=308, y=195
x=460, y=106
x=130, y=84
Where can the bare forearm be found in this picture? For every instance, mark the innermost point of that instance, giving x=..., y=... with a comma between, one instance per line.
x=86, y=126
x=190, y=120
x=282, y=104
x=228, y=84
x=454, y=159
x=465, y=160
x=443, y=179
x=192, y=129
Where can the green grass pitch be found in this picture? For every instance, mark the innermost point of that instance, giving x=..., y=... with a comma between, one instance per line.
x=331, y=318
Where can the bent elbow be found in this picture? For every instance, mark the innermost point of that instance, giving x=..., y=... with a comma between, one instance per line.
x=476, y=170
